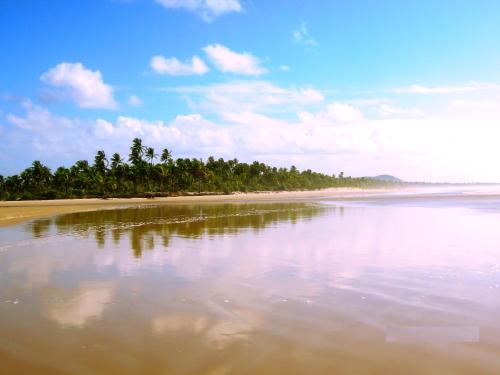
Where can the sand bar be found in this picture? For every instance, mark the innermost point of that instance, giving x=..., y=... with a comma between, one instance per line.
x=15, y=212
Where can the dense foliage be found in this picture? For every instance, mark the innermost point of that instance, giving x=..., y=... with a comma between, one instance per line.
x=141, y=176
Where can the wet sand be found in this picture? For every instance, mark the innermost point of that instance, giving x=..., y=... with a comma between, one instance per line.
x=403, y=282
x=15, y=212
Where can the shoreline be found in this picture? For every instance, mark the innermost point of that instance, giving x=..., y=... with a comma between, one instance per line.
x=16, y=212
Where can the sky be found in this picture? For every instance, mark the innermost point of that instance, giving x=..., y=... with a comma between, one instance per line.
x=410, y=89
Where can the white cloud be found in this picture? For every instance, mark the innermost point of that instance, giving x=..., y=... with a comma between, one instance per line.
x=336, y=113
x=370, y=102
x=473, y=86
x=135, y=101
x=384, y=107
x=37, y=118
x=206, y=9
x=174, y=67
x=474, y=109
x=244, y=96
x=228, y=61
x=301, y=35
x=82, y=85
x=389, y=110
x=343, y=113
x=336, y=137
x=46, y=136
x=285, y=68
x=184, y=133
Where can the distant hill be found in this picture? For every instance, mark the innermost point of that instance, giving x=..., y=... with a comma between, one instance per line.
x=387, y=178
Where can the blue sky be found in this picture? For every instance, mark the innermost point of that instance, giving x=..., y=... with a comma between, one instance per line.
x=360, y=86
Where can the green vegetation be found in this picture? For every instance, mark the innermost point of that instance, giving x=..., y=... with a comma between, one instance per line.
x=142, y=176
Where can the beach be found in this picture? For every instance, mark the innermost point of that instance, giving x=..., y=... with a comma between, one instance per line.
x=353, y=281
x=15, y=212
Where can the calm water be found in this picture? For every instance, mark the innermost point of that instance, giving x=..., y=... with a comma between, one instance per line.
x=378, y=286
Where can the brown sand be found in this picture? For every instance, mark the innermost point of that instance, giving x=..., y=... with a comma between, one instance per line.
x=14, y=212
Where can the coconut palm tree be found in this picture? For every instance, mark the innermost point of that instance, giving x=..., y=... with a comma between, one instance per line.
x=40, y=176
x=81, y=171
x=63, y=179
x=116, y=161
x=2, y=187
x=137, y=163
x=150, y=156
x=100, y=169
x=166, y=156
x=183, y=174
x=136, y=152
x=100, y=163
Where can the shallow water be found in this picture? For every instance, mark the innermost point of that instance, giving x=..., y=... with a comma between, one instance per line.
x=376, y=286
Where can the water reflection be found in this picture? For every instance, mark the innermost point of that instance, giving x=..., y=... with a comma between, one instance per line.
x=267, y=288
x=40, y=227
x=217, y=332
x=75, y=307
x=150, y=226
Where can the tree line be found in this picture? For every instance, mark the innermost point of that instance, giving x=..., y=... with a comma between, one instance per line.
x=150, y=174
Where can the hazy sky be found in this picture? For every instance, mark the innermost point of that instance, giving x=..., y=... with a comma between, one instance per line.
x=410, y=88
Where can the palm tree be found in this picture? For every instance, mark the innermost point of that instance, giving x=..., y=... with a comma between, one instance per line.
x=13, y=186
x=136, y=152
x=166, y=168
x=100, y=171
x=100, y=163
x=41, y=176
x=81, y=171
x=63, y=179
x=100, y=183
x=135, y=158
x=2, y=187
x=116, y=172
x=166, y=156
x=163, y=173
x=183, y=174
x=150, y=156
x=116, y=161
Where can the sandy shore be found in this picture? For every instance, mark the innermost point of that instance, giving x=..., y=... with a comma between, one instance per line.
x=18, y=211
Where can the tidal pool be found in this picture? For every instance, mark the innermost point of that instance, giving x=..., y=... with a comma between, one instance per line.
x=380, y=286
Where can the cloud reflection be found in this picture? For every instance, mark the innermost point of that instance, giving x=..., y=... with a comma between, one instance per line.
x=217, y=332
x=77, y=307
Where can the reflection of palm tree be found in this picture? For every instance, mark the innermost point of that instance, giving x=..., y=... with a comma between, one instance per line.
x=211, y=220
